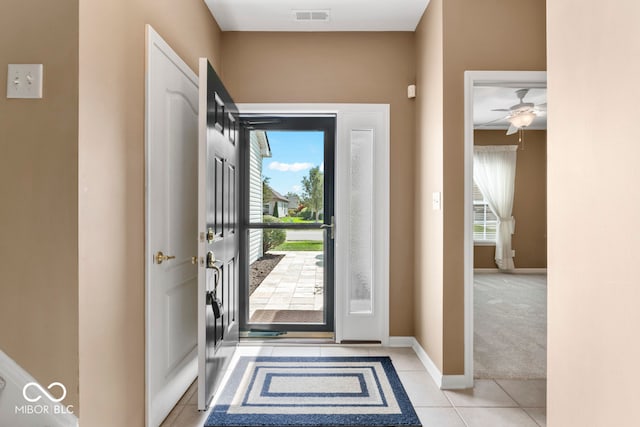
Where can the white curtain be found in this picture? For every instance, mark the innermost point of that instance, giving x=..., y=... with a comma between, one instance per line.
x=494, y=172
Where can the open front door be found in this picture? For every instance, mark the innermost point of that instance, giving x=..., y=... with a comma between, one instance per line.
x=218, y=248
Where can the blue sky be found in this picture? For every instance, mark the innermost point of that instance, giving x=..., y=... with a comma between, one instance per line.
x=293, y=154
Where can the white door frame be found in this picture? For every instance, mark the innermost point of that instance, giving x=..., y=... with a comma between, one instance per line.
x=382, y=188
x=471, y=79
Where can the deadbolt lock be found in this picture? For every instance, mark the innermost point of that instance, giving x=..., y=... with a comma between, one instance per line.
x=210, y=235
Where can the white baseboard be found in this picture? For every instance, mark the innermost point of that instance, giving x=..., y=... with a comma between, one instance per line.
x=455, y=382
x=444, y=382
x=431, y=367
x=401, y=341
x=515, y=271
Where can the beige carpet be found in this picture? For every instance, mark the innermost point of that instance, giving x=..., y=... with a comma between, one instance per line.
x=510, y=326
x=287, y=316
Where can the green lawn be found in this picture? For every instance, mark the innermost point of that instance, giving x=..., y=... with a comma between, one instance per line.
x=297, y=220
x=300, y=245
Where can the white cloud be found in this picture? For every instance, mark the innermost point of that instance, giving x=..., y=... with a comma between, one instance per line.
x=297, y=188
x=290, y=167
x=322, y=167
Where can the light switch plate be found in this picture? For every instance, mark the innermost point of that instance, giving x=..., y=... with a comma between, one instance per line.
x=24, y=81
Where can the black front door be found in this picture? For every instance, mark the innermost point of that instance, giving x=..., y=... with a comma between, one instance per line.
x=219, y=243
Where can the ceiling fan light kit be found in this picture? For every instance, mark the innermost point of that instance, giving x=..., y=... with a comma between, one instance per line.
x=522, y=115
x=522, y=119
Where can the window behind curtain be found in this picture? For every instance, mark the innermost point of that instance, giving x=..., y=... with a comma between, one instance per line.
x=484, y=221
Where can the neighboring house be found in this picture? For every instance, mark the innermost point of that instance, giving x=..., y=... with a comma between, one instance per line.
x=269, y=207
x=259, y=150
x=294, y=202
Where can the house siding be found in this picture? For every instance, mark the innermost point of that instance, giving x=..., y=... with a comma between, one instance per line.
x=255, y=198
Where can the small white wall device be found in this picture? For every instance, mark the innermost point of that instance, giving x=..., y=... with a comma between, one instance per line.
x=24, y=81
x=411, y=91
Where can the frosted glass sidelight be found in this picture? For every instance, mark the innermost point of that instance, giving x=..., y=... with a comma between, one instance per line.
x=360, y=290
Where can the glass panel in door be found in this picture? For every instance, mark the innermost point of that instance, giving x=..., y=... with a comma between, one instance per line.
x=289, y=284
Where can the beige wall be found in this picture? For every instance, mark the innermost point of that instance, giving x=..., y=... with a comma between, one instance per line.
x=529, y=202
x=594, y=290
x=429, y=224
x=111, y=192
x=476, y=36
x=38, y=194
x=351, y=68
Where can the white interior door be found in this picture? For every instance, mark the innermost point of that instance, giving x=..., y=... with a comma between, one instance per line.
x=362, y=224
x=171, y=215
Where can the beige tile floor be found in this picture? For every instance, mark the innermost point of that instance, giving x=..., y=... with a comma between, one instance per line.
x=492, y=403
x=296, y=283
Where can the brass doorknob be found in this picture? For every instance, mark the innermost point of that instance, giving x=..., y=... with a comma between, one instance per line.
x=160, y=257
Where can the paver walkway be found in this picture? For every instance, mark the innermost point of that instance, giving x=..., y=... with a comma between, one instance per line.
x=296, y=283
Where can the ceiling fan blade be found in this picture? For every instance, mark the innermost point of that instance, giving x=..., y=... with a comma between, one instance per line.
x=542, y=106
x=512, y=129
x=502, y=109
x=491, y=122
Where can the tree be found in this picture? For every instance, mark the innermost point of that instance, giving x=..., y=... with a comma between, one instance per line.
x=313, y=186
x=266, y=190
x=272, y=237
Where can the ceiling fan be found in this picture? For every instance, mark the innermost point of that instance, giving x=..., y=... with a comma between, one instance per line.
x=523, y=113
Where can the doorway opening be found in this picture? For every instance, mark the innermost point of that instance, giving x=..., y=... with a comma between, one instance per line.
x=362, y=215
x=287, y=219
x=505, y=265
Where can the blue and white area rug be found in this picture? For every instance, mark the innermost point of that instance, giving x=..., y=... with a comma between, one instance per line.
x=313, y=391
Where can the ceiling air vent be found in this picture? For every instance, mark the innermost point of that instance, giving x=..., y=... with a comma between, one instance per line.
x=311, y=15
